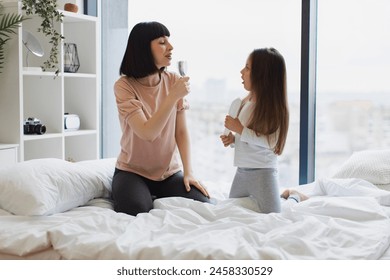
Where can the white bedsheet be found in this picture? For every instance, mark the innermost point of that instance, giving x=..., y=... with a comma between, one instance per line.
x=323, y=227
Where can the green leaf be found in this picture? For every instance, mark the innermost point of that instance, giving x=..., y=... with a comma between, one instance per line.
x=47, y=10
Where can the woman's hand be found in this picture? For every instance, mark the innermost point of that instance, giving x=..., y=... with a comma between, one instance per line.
x=227, y=139
x=233, y=124
x=189, y=181
x=180, y=88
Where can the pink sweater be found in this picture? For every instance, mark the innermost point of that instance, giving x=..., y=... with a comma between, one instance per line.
x=158, y=159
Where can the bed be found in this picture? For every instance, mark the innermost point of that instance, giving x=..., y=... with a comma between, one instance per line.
x=54, y=209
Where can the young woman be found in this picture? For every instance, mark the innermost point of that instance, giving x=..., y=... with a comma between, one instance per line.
x=259, y=130
x=151, y=109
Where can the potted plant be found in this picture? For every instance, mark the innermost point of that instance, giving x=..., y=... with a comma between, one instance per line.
x=9, y=22
x=47, y=10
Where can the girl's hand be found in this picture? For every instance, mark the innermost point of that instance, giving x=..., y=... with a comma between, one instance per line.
x=233, y=124
x=180, y=88
x=189, y=181
x=227, y=139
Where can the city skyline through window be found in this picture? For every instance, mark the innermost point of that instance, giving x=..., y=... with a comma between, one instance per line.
x=215, y=37
x=353, y=107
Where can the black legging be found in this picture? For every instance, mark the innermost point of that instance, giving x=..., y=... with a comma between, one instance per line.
x=133, y=194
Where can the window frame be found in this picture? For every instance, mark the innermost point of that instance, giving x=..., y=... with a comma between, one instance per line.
x=308, y=92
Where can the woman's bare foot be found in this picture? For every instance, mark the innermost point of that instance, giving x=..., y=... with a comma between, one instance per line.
x=286, y=193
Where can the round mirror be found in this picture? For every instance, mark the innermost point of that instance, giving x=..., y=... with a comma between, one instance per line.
x=32, y=44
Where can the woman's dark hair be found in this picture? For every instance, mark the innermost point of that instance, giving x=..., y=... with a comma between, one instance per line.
x=269, y=84
x=138, y=61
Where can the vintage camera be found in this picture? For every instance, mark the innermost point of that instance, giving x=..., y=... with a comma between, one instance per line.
x=33, y=126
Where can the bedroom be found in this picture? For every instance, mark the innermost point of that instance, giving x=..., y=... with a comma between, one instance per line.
x=345, y=123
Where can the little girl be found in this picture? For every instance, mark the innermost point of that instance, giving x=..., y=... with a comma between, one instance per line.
x=259, y=129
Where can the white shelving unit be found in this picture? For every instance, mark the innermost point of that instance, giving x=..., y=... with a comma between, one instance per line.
x=48, y=97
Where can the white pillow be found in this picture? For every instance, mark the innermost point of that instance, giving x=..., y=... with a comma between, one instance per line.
x=104, y=170
x=351, y=187
x=48, y=186
x=370, y=165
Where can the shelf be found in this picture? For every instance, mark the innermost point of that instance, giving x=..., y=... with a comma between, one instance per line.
x=75, y=17
x=35, y=137
x=52, y=74
x=8, y=146
x=38, y=73
x=79, y=132
x=79, y=75
x=46, y=95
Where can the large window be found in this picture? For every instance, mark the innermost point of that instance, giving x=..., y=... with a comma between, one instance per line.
x=353, y=104
x=215, y=37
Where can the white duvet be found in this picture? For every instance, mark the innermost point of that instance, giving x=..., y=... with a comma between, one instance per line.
x=346, y=219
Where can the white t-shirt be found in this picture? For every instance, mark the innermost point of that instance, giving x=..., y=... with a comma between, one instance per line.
x=252, y=151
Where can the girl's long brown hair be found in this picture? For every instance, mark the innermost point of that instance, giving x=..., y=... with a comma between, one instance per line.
x=269, y=85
